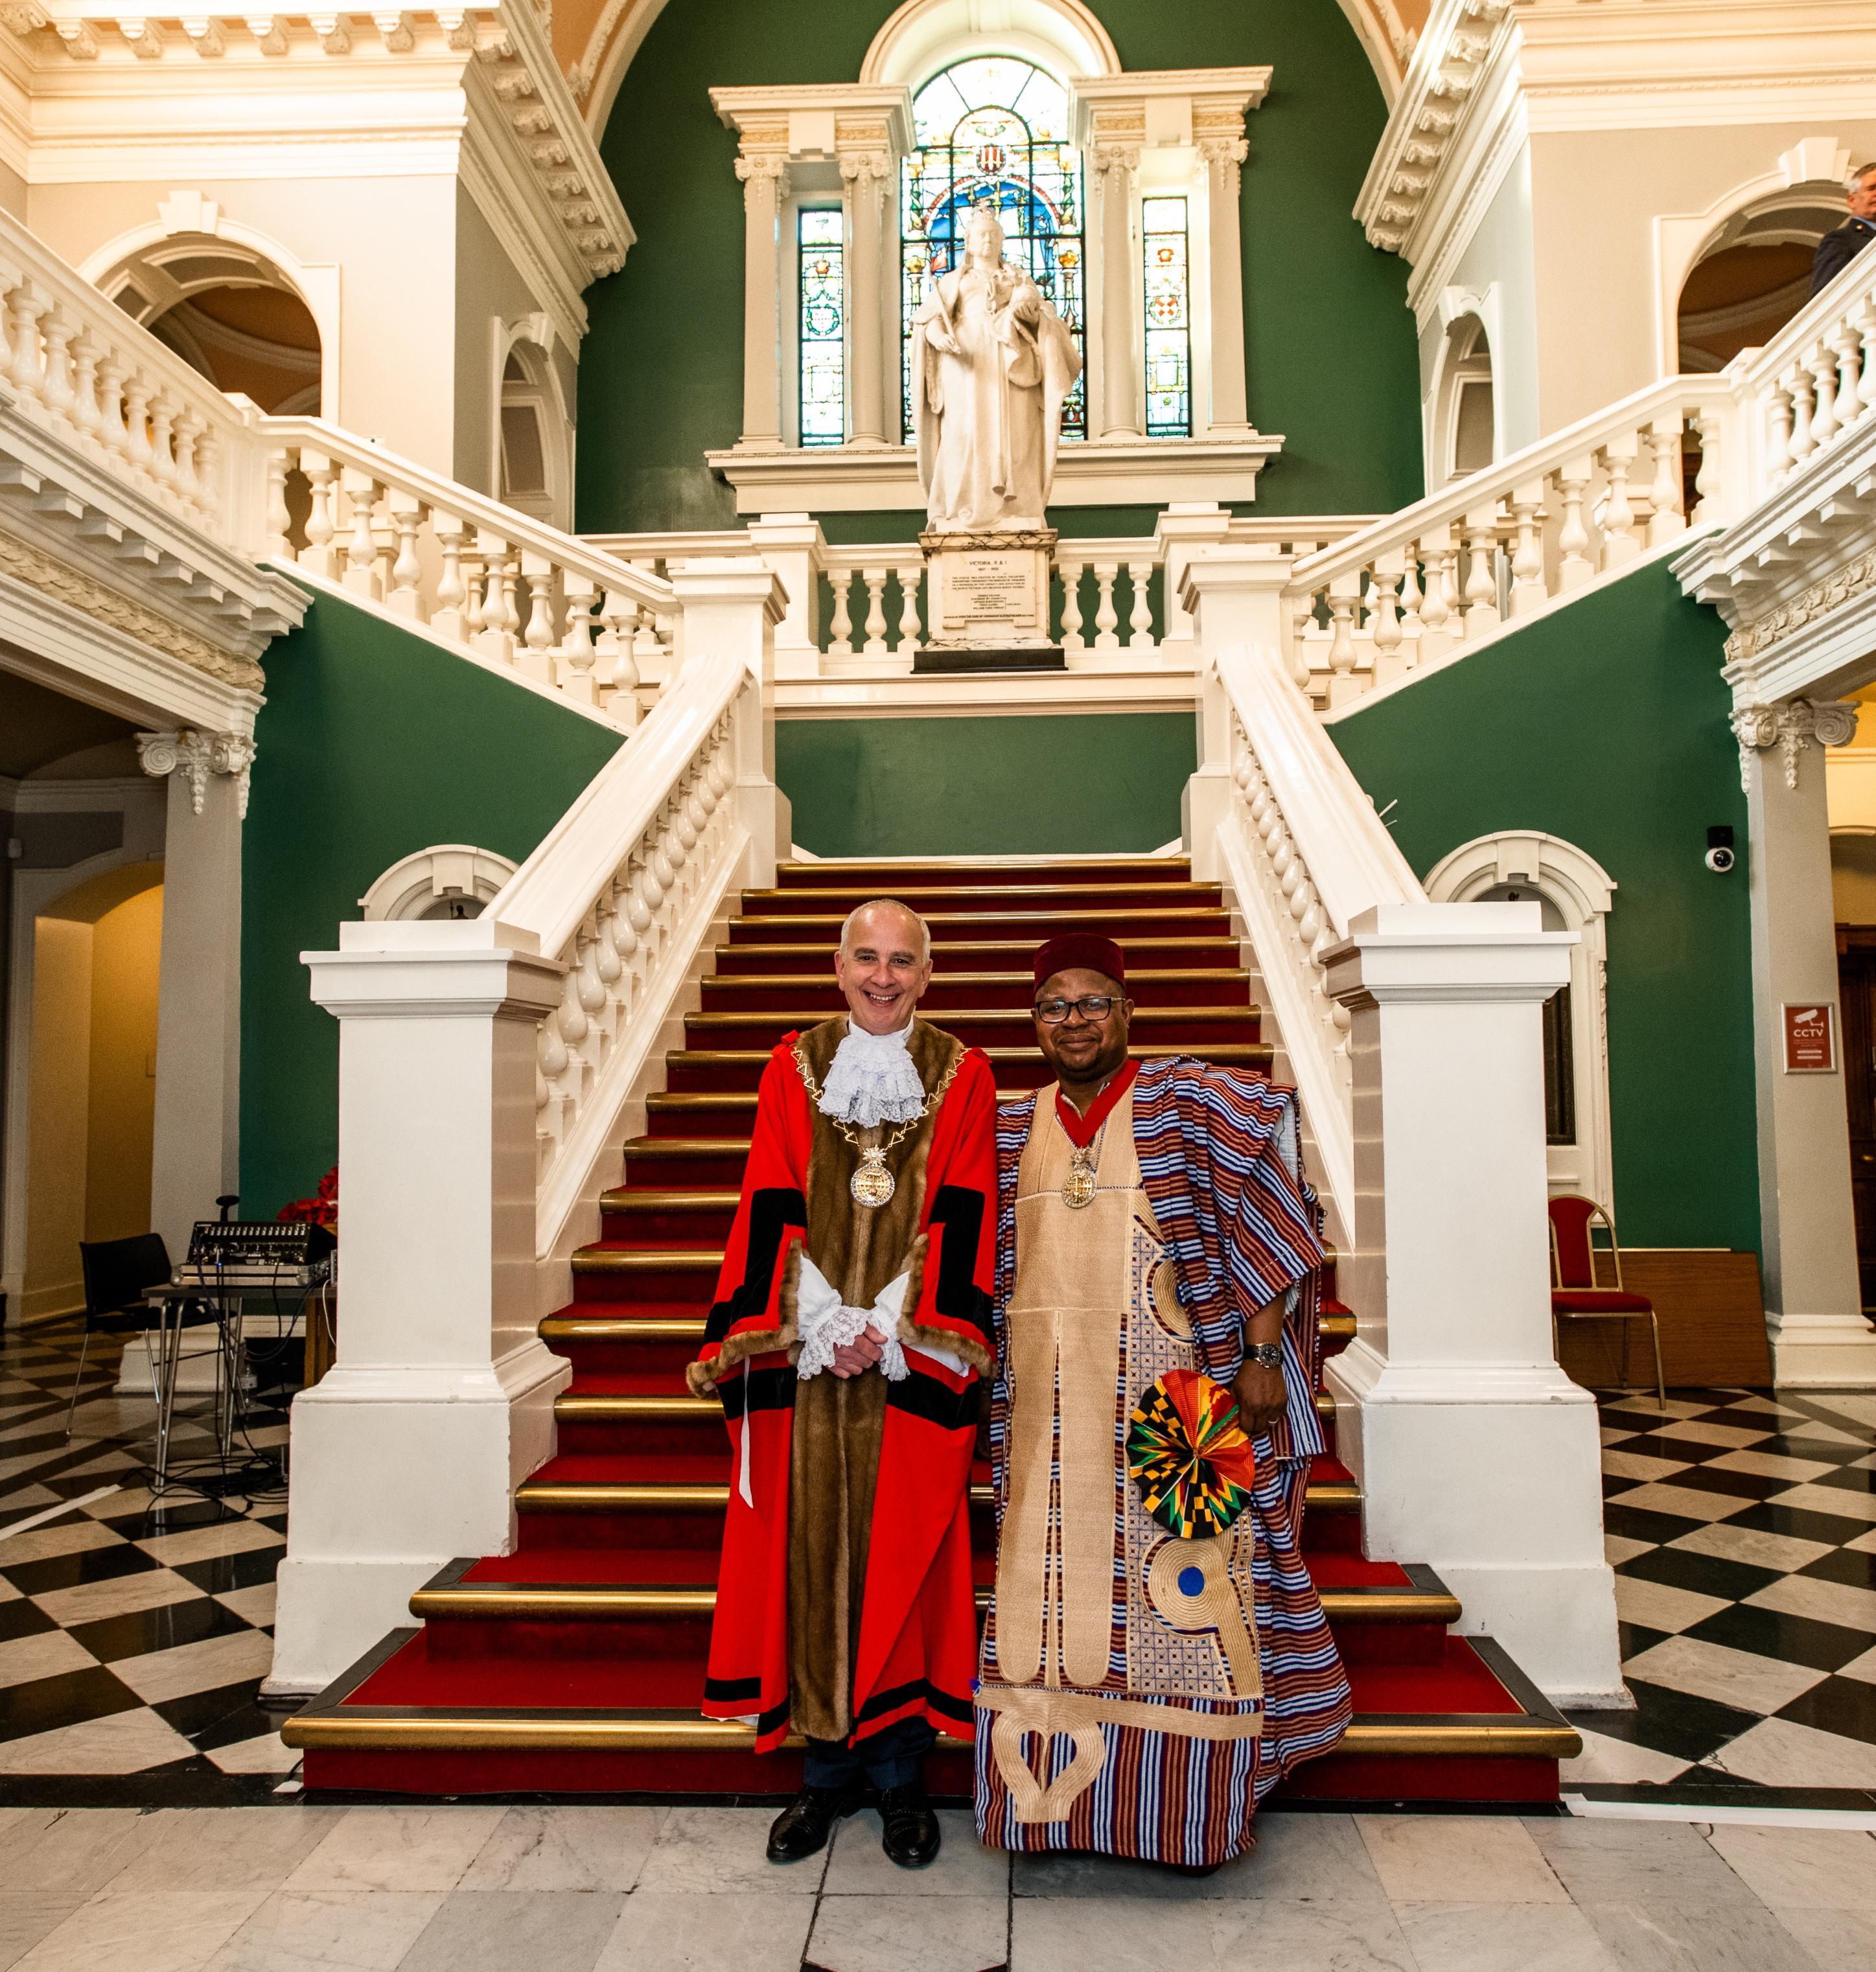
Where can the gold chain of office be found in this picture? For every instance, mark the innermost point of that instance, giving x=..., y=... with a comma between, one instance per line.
x=872, y=1184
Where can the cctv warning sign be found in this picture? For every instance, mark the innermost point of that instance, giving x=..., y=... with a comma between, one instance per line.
x=1811, y=1039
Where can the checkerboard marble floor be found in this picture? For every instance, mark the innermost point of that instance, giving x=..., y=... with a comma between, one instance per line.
x=1742, y=1528
x=134, y=1632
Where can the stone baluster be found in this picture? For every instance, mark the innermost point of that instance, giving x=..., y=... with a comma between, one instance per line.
x=404, y=513
x=319, y=556
x=137, y=423
x=85, y=388
x=501, y=619
x=1107, y=618
x=361, y=574
x=1707, y=480
x=162, y=435
x=58, y=396
x=113, y=426
x=550, y=1101
x=449, y=618
x=875, y=580
x=28, y=371
x=1071, y=638
x=575, y=660
x=1140, y=615
x=840, y=631
x=1664, y=518
x=625, y=939
x=1344, y=598
x=275, y=520
x=1778, y=432
x=911, y=573
x=1481, y=538
x=1620, y=545
x=208, y=473
x=1385, y=621
x=1821, y=362
x=618, y=669
x=1866, y=328
x=10, y=278
x=1847, y=347
x=1573, y=567
x=476, y=577
x=1797, y=381
x=190, y=430
x=1438, y=551
x=1528, y=594
x=533, y=660
x=1412, y=624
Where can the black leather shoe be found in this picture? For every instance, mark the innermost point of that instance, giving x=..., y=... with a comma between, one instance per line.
x=911, y=1829
x=802, y=1828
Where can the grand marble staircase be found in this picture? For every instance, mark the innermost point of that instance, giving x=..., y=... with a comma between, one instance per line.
x=575, y=1664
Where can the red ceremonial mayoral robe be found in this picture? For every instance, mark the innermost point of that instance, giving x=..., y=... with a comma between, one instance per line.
x=844, y=1600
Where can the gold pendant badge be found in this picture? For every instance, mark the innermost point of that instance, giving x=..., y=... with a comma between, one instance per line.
x=1078, y=1189
x=871, y=1183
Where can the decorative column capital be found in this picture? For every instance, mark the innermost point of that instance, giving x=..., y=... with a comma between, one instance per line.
x=1791, y=727
x=1113, y=157
x=1226, y=154
x=763, y=173
x=197, y=755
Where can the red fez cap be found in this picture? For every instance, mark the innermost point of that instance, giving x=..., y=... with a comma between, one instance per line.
x=1080, y=950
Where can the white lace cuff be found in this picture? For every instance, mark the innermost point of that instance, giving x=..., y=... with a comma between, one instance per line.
x=824, y=1323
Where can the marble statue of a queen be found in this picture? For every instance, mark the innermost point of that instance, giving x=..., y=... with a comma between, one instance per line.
x=992, y=363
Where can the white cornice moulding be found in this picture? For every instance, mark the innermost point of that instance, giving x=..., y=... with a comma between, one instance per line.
x=106, y=795
x=817, y=119
x=1148, y=472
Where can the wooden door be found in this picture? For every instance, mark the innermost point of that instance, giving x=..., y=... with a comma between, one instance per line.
x=1856, y=974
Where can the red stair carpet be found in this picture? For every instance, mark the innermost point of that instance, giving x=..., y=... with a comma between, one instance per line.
x=575, y=1665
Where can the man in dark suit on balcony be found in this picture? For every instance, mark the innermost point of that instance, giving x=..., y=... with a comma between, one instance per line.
x=1836, y=250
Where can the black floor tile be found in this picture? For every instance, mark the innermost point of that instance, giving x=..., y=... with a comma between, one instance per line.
x=1707, y=1574
x=1834, y=1530
x=144, y=1631
x=224, y=1571
x=21, y=1618
x=1849, y=1479
x=1736, y=1485
x=1676, y=1722
x=67, y=1571
x=68, y=1699
x=1639, y=1523
x=248, y=1720
x=202, y=1711
x=1770, y=1633
x=1845, y=1706
x=1632, y=1639
x=1849, y=1565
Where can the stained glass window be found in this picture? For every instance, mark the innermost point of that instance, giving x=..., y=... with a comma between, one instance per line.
x=1163, y=233
x=994, y=131
x=820, y=242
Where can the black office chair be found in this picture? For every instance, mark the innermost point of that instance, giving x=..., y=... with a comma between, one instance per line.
x=117, y=1273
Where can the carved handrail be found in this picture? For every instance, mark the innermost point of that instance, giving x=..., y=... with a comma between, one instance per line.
x=476, y=572
x=620, y=890
x=1510, y=540
x=1306, y=854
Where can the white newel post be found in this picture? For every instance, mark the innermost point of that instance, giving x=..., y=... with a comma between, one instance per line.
x=441, y=1402
x=1813, y=1299
x=791, y=545
x=1233, y=594
x=731, y=604
x=764, y=176
x=1115, y=165
x=1475, y=1452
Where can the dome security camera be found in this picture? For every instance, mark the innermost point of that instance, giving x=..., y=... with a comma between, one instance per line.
x=1719, y=857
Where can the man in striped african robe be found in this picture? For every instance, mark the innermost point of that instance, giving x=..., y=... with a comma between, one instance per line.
x=1141, y=1689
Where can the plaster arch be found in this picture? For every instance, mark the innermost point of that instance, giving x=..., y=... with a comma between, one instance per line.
x=434, y=882
x=922, y=36
x=527, y=388
x=184, y=214
x=1464, y=355
x=1582, y=893
x=1812, y=173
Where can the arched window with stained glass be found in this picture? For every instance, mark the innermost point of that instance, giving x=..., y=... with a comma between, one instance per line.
x=993, y=130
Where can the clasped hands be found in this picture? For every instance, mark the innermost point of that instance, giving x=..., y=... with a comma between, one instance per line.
x=863, y=1352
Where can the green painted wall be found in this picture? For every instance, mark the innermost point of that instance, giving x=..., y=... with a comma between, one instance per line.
x=373, y=744
x=1606, y=723
x=984, y=787
x=1329, y=346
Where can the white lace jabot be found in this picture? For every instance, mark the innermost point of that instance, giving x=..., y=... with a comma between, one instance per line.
x=873, y=1079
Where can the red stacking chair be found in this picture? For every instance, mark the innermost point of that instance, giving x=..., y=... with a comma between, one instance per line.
x=1575, y=1295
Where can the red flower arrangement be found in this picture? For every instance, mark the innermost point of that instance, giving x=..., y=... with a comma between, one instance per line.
x=322, y=1209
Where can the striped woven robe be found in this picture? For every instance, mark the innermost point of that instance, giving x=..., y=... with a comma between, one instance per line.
x=1220, y=1161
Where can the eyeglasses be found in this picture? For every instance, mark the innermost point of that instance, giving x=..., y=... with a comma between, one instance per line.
x=1092, y=1006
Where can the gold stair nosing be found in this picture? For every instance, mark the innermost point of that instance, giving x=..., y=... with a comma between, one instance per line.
x=1341, y=1326
x=769, y=981
x=1153, y=1050
x=1475, y=1735
x=624, y=1406
x=606, y=1328
x=949, y=1017
x=837, y=918
x=835, y=893
x=652, y=1260
x=1331, y=1496
x=603, y=1602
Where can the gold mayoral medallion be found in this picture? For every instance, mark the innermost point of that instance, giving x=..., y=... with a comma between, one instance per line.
x=1078, y=1188
x=871, y=1183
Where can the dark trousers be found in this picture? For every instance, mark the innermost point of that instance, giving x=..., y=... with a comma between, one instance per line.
x=888, y=1758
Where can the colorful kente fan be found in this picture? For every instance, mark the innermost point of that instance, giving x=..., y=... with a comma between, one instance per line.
x=1190, y=1456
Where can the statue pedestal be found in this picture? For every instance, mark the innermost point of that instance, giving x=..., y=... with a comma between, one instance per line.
x=987, y=602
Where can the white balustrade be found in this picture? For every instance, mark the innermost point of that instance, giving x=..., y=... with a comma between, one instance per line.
x=1815, y=382
x=553, y=608
x=888, y=632
x=1505, y=543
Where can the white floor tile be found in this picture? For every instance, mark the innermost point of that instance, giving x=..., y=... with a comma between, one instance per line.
x=702, y=1849
x=126, y=1742
x=73, y=1534
x=1778, y=1752
x=235, y=1658
x=1838, y=1499
x=1688, y=1502
x=1768, y=1465
x=1637, y=1465
x=1786, y=1552
x=566, y=1849
x=1618, y=1548
x=1458, y=1859
x=1824, y=1869
x=965, y=1867
x=1739, y=1678
x=46, y=1654
x=333, y=1931
x=92, y=1602
x=892, y=1933
x=1494, y=1937
x=162, y=1930
x=1823, y=1602
x=1840, y=1940
x=204, y=1543
x=404, y=1848
x=724, y=1930
x=1704, y=1432
x=254, y=1605
x=1616, y=1763
x=1656, y=1606
x=267, y=1753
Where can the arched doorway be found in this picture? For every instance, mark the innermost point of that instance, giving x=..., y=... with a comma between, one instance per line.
x=228, y=312
x=1752, y=277
x=534, y=468
x=1465, y=414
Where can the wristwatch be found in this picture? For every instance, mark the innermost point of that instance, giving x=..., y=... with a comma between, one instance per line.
x=1270, y=1354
